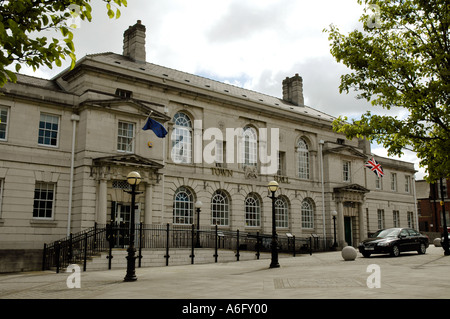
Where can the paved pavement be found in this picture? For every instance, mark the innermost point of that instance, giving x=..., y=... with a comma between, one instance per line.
x=320, y=276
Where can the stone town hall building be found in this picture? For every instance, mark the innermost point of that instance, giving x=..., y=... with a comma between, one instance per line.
x=67, y=145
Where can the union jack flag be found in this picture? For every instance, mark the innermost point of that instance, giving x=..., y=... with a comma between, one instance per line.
x=375, y=167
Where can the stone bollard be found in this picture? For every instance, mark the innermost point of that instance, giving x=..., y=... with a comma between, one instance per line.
x=349, y=253
x=437, y=242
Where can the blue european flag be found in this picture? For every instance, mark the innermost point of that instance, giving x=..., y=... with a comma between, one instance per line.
x=156, y=127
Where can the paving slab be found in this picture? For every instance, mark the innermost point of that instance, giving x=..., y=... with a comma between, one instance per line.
x=307, y=277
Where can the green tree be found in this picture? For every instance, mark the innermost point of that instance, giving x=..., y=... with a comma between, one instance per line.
x=400, y=59
x=21, y=37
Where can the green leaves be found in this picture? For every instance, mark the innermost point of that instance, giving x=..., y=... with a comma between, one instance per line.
x=20, y=21
x=404, y=63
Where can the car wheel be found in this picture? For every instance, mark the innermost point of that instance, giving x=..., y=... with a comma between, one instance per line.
x=366, y=254
x=423, y=249
x=395, y=251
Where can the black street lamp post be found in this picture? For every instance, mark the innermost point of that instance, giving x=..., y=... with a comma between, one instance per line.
x=133, y=178
x=334, y=213
x=273, y=187
x=445, y=243
x=198, y=206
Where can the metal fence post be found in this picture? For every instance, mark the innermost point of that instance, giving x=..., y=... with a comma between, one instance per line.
x=95, y=237
x=258, y=253
x=85, y=251
x=57, y=253
x=70, y=252
x=293, y=245
x=310, y=245
x=167, y=245
x=192, y=245
x=44, y=257
x=140, y=245
x=237, y=245
x=110, y=239
x=215, y=245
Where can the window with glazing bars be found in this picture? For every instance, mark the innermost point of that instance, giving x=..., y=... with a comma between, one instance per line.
x=44, y=194
x=3, y=123
x=307, y=214
x=303, y=159
x=181, y=151
x=125, y=136
x=281, y=213
x=220, y=209
x=183, y=206
x=252, y=211
x=48, y=130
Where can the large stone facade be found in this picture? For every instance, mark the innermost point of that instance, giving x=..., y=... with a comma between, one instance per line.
x=68, y=144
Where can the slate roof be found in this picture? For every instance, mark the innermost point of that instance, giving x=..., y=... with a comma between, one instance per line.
x=205, y=83
x=38, y=82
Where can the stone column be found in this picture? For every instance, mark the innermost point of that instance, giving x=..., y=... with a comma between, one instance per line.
x=102, y=202
x=340, y=225
x=362, y=225
x=148, y=204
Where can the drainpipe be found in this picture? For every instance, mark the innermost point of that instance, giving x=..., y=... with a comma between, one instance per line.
x=416, y=213
x=321, y=142
x=74, y=118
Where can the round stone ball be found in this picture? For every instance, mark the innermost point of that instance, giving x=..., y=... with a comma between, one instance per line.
x=437, y=242
x=349, y=253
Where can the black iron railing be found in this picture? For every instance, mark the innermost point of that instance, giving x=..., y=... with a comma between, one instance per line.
x=78, y=248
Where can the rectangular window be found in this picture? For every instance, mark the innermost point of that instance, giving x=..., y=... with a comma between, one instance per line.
x=125, y=137
x=220, y=153
x=346, y=171
x=43, y=201
x=125, y=94
x=393, y=182
x=3, y=123
x=396, y=218
x=378, y=182
x=410, y=219
x=281, y=163
x=1, y=196
x=48, y=130
x=407, y=183
x=380, y=216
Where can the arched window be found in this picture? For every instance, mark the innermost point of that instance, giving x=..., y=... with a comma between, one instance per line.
x=303, y=159
x=183, y=206
x=307, y=214
x=281, y=212
x=252, y=211
x=181, y=139
x=220, y=205
x=250, y=146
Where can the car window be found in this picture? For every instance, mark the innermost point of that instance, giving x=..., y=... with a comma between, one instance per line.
x=390, y=232
x=404, y=232
x=412, y=232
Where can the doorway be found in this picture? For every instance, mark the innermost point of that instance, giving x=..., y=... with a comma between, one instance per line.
x=121, y=217
x=348, y=230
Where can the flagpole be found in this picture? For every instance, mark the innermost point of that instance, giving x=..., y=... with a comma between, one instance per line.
x=163, y=180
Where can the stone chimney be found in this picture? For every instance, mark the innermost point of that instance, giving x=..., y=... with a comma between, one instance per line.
x=293, y=90
x=134, y=42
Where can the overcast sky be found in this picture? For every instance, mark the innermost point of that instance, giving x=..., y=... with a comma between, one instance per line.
x=253, y=44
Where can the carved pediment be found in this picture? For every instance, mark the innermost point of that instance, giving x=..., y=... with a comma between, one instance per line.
x=118, y=167
x=345, y=150
x=350, y=193
x=351, y=188
x=130, y=106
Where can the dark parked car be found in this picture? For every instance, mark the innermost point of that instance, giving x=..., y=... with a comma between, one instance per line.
x=393, y=241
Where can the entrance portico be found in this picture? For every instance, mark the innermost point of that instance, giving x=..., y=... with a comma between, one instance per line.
x=350, y=218
x=110, y=173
